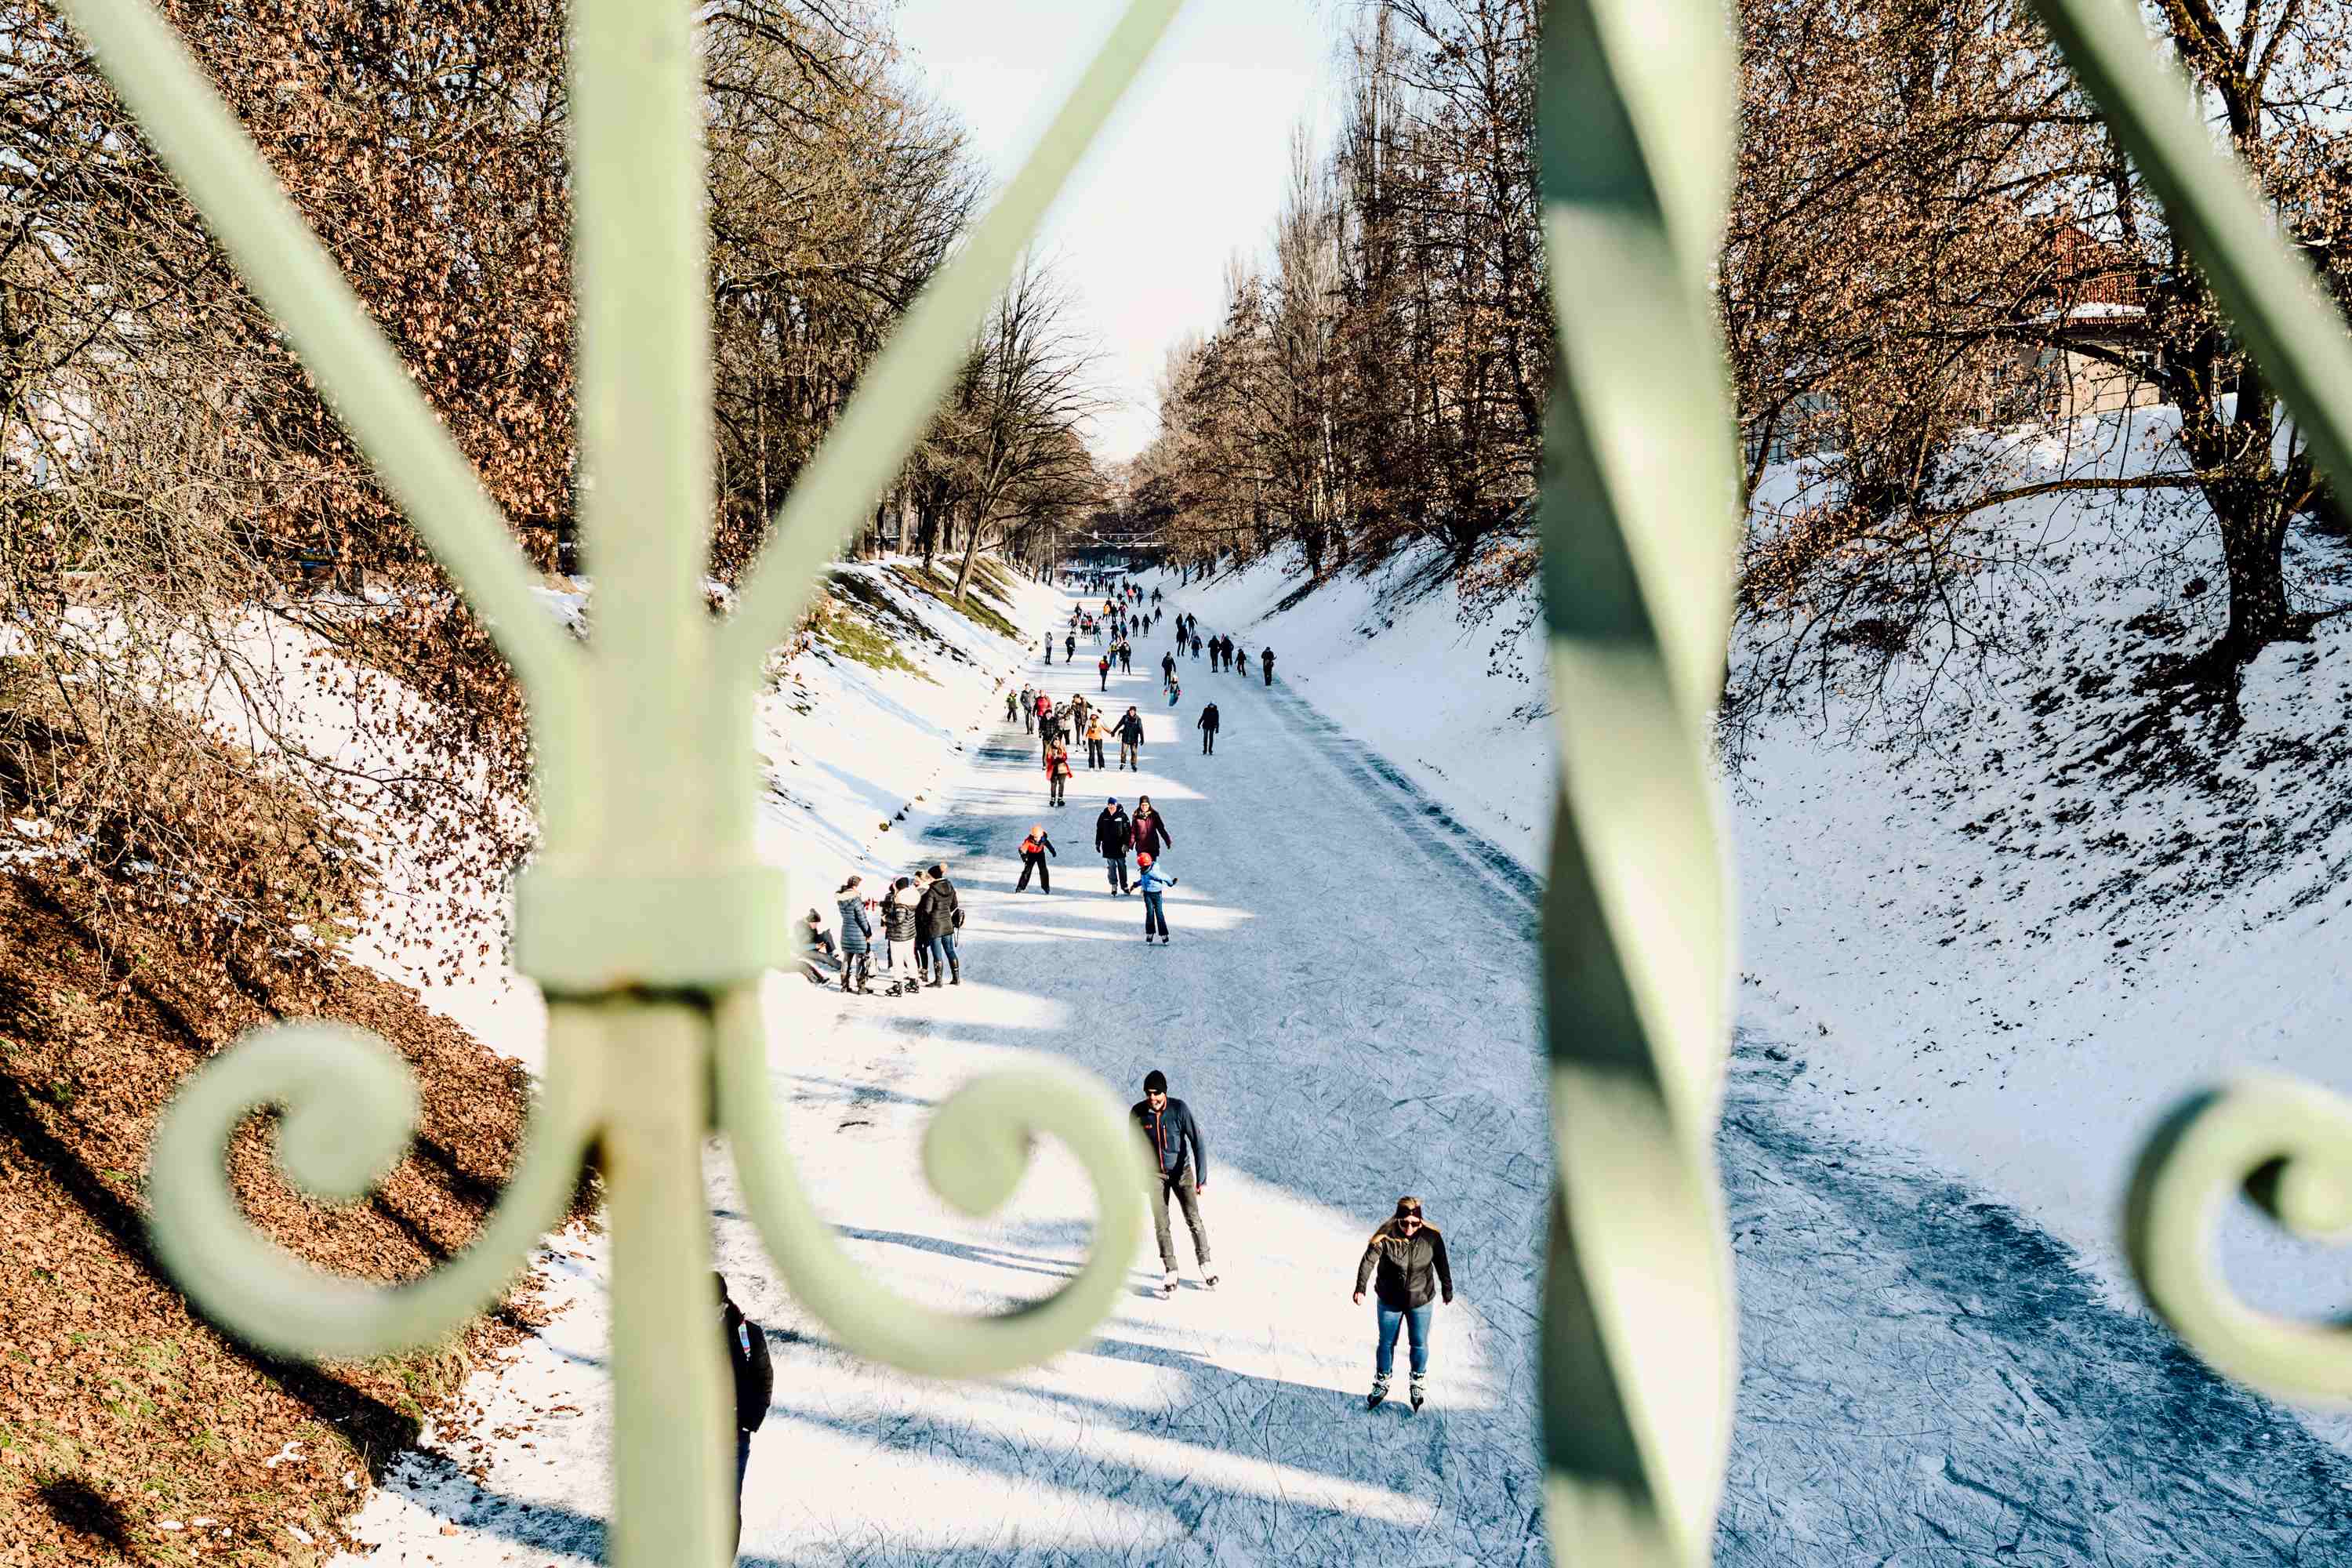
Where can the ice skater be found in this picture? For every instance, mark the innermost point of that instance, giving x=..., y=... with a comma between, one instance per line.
x=1034, y=851
x=1113, y=836
x=1153, y=887
x=1405, y=1265
x=1168, y=1126
x=1208, y=727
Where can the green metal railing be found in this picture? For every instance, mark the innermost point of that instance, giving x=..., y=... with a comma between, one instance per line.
x=648, y=923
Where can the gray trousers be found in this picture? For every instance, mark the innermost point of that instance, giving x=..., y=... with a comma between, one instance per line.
x=1188, y=1200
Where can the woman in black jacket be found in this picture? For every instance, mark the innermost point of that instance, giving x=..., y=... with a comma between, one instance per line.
x=1405, y=1265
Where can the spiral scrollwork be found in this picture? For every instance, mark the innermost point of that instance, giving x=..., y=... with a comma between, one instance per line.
x=2286, y=1145
x=349, y=1108
x=975, y=1152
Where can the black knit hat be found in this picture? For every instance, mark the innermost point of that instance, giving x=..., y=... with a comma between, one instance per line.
x=1155, y=1082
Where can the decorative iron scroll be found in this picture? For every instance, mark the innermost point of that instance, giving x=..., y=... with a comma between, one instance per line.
x=2286, y=1145
x=644, y=914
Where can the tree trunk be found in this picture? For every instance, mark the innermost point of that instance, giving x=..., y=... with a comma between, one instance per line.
x=2254, y=547
x=970, y=554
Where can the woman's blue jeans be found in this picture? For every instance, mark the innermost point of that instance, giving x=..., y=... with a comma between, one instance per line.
x=1415, y=1320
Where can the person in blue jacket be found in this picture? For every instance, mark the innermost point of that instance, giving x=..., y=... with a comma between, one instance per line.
x=1170, y=1130
x=1152, y=885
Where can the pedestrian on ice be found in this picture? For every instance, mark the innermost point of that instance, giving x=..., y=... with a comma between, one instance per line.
x=1167, y=666
x=1208, y=727
x=1113, y=836
x=1058, y=772
x=1102, y=668
x=1011, y=706
x=856, y=935
x=755, y=1385
x=1093, y=740
x=1179, y=1170
x=1196, y=643
x=1130, y=738
x=1069, y=646
x=1153, y=887
x=1034, y=851
x=1241, y=663
x=1266, y=664
x=941, y=913
x=898, y=921
x=1028, y=709
x=1404, y=1263
x=1152, y=835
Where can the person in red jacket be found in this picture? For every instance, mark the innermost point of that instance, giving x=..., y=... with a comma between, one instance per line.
x=1152, y=835
x=1057, y=771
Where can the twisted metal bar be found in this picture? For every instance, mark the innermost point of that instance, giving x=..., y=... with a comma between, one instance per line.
x=1638, y=518
x=2282, y=1142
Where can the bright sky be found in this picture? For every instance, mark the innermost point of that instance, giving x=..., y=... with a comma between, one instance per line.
x=1189, y=171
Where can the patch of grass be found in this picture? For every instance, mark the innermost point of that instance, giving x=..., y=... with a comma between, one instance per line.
x=973, y=606
x=853, y=637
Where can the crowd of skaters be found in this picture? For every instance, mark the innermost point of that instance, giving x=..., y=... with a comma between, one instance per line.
x=1403, y=1266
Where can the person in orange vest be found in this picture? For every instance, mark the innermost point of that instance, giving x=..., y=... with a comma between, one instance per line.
x=1034, y=851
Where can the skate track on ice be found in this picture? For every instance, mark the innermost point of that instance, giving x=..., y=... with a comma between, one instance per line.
x=1349, y=1005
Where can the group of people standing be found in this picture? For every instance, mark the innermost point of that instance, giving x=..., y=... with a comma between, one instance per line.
x=915, y=918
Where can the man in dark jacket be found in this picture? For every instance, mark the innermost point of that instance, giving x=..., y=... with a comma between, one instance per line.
x=1130, y=730
x=1406, y=1266
x=1209, y=730
x=755, y=1385
x=1113, y=837
x=1152, y=835
x=1266, y=664
x=1181, y=1167
x=936, y=918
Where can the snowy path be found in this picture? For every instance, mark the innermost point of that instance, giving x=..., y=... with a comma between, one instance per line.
x=1348, y=1007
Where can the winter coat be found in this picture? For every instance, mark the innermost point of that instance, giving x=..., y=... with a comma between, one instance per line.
x=1113, y=833
x=857, y=925
x=1061, y=768
x=747, y=1358
x=1209, y=718
x=1165, y=1132
x=1038, y=847
x=1152, y=880
x=1095, y=729
x=1152, y=835
x=935, y=914
x=1130, y=729
x=1405, y=1271
x=899, y=916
